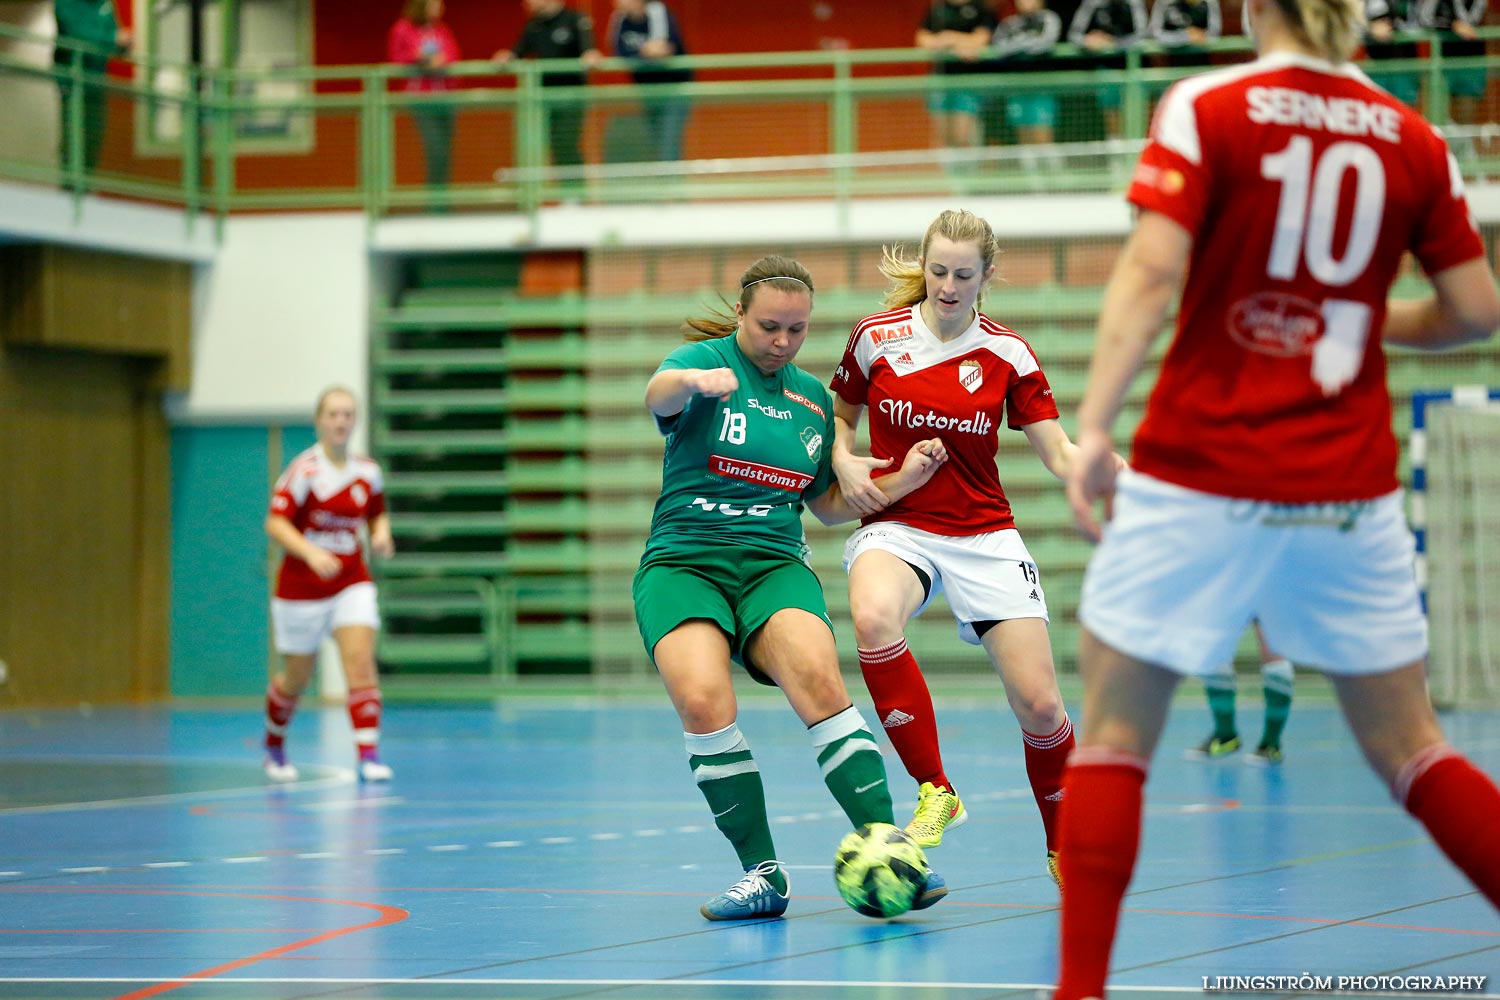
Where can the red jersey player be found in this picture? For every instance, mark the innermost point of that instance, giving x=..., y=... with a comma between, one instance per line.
x=1263, y=481
x=932, y=364
x=321, y=502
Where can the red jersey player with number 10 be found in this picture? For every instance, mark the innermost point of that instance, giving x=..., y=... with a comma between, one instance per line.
x=933, y=364
x=321, y=502
x=1263, y=481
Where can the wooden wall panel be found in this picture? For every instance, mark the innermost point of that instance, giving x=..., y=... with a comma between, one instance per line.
x=83, y=595
x=59, y=296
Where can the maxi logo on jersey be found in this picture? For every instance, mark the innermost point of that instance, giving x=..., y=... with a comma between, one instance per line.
x=759, y=475
x=900, y=412
x=890, y=337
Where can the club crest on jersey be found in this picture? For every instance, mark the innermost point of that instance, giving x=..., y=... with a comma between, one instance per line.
x=812, y=441
x=358, y=495
x=970, y=375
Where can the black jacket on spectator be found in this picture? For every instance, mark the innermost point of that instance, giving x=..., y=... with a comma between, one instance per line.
x=1172, y=19
x=564, y=35
x=1124, y=20
x=1399, y=13
x=965, y=17
x=628, y=34
x=1027, y=35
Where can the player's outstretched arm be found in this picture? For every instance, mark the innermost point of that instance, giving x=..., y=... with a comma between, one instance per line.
x=1464, y=307
x=669, y=391
x=922, y=460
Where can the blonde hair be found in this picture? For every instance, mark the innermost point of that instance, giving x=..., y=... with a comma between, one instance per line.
x=781, y=273
x=334, y=390
x=907, y=275
x=1331, y=28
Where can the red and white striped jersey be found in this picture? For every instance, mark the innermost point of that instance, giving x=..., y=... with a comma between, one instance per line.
x=329, y=505
x=916, y=386
x=1302, y=184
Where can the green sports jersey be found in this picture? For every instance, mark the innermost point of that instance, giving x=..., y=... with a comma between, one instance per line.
x=737, y=470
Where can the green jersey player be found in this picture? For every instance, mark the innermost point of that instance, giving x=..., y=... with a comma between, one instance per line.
x=725, y=579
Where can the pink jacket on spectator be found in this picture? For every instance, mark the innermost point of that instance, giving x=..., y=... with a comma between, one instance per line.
x=410, y=41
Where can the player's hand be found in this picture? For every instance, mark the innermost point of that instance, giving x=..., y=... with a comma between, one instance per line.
x=1380, y=30
x=382, y=543
x=324, y=563
x=1091, y=478
x=713, y=382
x=853, y=472
x=1463, y=29
x=924, y=459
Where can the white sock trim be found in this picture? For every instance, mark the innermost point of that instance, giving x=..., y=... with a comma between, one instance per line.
x=1419, y=764
x=846, y=723
x=720, y=741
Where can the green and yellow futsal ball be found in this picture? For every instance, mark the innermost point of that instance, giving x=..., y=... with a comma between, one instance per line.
x=879, y=870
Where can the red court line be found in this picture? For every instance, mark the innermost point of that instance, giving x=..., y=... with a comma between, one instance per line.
x=388, y=915
x=159, y=930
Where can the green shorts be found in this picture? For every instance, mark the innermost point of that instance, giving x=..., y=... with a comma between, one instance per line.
x=737, y=589
x=963, y=102
x=1031, y=110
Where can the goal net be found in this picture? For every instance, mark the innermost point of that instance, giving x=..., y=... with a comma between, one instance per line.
x=1462, y=536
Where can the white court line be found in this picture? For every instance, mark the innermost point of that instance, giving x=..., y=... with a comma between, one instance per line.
x=440, y=848
x=659, y=983
x=376, y=981
x=338, y=776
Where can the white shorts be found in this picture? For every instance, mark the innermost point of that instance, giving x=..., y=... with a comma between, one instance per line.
x=301, y=626
x=1180, y=574
x=987, y=577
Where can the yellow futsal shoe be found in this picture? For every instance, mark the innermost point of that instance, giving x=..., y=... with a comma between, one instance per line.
x=1054, y=868
x=938, y=809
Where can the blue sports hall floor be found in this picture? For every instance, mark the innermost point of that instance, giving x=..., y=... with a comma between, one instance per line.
x=555, y=846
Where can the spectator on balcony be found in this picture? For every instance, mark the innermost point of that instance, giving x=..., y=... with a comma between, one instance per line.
x=1186, y=24
x=1107, y=28
x=93, y=25
x=556, y=31
x=1385, y=19
x=957, y=33
x=1184, y=28
x=422, y=41
x=646, y=31
x=1020, y=43
x=1454, y=22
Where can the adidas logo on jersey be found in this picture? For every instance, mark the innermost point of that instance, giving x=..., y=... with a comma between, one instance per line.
x=1034, y=595
x=897, y=718
x=904, y=360
x=1056, y=796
